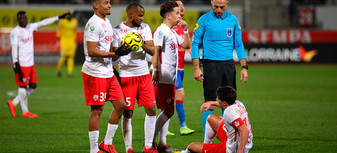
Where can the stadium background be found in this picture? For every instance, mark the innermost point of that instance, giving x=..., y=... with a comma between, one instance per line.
x=290, y=94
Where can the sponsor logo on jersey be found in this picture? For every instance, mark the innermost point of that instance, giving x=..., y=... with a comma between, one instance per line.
x=229, y=32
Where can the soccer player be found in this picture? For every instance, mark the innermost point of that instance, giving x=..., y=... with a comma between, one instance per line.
x=100, y=83
x=23, y=59
x=233, y=130
x=136, y=81
x=219, y=32
x=67, y=34
x=180, y=93
x=166, y=42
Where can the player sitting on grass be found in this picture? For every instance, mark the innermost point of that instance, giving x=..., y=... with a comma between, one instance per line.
x=233, y=130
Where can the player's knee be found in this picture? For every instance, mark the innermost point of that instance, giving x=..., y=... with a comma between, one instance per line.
x=33, y=85
x=97, y=109
x=128, y=113
x=150, y=111
x=120, y=106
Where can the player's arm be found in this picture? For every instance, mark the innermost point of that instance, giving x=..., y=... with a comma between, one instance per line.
x=198, y=33
x=209, y=106
x=148, y=46
x=49, y=20
x=187, y=40
x=244, y=133
x=94, y=52
x=240, y=51
x=155, y=76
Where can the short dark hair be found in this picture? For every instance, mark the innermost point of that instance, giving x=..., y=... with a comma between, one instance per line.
x=133, y=6
x=20, y=13
x=167, y=7
x=227, y=94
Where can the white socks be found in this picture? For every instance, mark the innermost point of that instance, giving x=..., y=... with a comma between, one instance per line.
x=149, y=127
x=127, y=132
x=209, y=134
x=110, y=133
x=93, y=138
x=23, y=99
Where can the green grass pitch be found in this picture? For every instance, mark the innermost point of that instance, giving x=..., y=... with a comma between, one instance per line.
x=292, y=109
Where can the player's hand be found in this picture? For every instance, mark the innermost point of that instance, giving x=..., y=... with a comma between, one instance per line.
x=183, y=25
x=198, y=75
x=62, y=16
x=155, y=78
x=122, y=50
x=244, y=76
x=206, y=106
x=17, y=68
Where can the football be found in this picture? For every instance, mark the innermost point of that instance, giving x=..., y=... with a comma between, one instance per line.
x=134, y=40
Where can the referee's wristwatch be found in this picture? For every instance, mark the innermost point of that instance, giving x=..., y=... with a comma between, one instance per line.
x=245, y=67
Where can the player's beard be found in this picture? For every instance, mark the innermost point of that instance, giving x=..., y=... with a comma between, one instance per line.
x=135, y=24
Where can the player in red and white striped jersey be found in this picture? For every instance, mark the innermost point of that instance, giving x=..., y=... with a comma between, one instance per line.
x=23, y=59
x=135, y=78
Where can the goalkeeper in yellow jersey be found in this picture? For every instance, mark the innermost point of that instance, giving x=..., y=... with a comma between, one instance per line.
x=67, y=34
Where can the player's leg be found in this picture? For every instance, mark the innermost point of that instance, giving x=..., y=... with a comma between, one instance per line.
x=95, y=114
x=115, y=95
x=62, y=59
x=29, y=77
x=228, y=76
x=166, y=103
x=71, y=60
x=212, y=126
x=195, y=147
x=130, y=87
x=146, y=98
x=210, y=84
x=149, y=126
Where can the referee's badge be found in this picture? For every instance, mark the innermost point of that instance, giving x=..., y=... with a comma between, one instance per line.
x=229, y=32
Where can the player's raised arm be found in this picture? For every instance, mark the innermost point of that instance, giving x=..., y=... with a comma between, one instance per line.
x=187, y=40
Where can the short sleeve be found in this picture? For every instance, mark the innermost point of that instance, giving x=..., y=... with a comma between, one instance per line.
x=158, y=38
x=231, y=114
x=147, y=33
x=92, y=32
x=179, y=38
x=115, y=42
x=14, y=38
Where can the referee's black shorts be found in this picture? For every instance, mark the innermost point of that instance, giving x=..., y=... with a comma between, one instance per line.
x=216, y=74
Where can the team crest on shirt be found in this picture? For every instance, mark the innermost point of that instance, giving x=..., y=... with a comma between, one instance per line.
x=229, y=32
x=95, y=97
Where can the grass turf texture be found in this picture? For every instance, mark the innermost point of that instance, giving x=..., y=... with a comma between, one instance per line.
x=292, y=108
